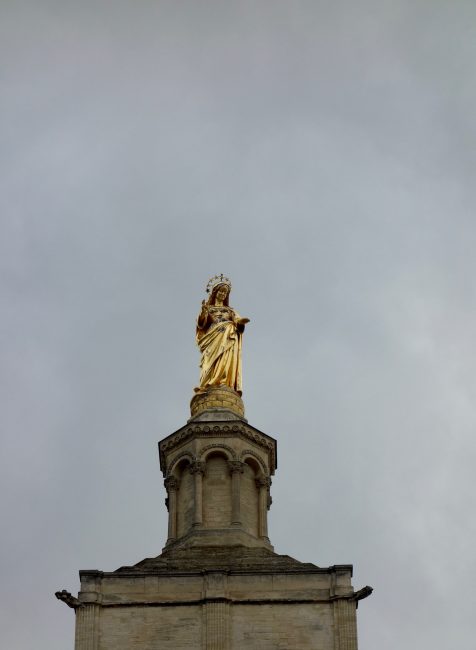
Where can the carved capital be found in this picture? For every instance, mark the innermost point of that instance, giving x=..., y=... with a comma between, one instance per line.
x=171, y=483
x=236, y=466
x=263, y=482
x=197, y=467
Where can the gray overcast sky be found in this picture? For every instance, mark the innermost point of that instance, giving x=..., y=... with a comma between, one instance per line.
x=323, y=155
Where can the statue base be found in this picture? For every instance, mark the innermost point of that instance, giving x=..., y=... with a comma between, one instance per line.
x=217, y=398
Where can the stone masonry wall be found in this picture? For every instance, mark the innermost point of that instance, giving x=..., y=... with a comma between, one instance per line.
x=151, y=628
x=283, y=627
x=217, y=493
x=219, y=626
x=218, y=610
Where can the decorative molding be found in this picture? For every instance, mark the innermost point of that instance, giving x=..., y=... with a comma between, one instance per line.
x=218, y=446
x=221, y=429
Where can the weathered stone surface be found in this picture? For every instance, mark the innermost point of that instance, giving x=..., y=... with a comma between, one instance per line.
x=236, y=559
x=227, y=598
x=148, y=628
x=217, y=398
x=217, y=585
x=218, y=478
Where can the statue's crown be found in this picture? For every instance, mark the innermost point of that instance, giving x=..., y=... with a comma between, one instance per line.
x=216, y=280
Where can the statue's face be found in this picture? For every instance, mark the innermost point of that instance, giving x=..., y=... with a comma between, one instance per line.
x=222, y=292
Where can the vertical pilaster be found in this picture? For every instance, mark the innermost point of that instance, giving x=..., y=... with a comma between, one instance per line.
x=345, y=625
x=87, y=627
x=263, y=485
x=236, y=469
x=197, y=469
x=217, y=625
x=216, y=612
x=171, y=483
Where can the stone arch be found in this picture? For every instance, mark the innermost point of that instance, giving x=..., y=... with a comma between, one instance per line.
x=185, y=496
x=217, y=508
x=252, y=473
x=209, y=449
x=175, y=462
x=249, y=454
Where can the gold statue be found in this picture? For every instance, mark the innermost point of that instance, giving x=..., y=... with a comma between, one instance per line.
x=219, y=333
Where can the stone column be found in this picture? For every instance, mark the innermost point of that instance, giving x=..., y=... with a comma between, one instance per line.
x=263, y=484
x=236, y=469
x=197, y=469
x=87, y=627
x=171, y=483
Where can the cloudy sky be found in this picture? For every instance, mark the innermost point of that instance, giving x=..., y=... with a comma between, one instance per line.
x=321, y=154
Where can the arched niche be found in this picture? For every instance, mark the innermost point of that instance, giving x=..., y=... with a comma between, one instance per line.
x=249, y=495
x=255, y=461
x=185, y=495
x=176, y=465
x=217, y=488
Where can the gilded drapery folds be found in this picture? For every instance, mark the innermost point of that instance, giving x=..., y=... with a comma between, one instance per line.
x=219, y=338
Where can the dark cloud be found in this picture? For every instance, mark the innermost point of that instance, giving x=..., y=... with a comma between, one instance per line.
x=322, y=155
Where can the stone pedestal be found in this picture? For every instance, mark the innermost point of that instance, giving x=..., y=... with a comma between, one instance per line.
x=216, y=399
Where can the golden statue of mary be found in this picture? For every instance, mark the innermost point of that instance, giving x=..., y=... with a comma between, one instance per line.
x=219, y=332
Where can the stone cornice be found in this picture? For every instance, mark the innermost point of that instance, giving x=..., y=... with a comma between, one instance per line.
x=225, y=429
x=233, y=601
x=133, y=571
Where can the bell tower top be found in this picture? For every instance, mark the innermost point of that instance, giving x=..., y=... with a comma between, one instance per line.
x=218, y=468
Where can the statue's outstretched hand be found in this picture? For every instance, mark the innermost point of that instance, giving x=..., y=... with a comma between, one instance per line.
x=203, y=315
x=243, y=321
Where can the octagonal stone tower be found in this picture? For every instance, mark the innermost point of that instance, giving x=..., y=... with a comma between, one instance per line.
x=217, y=471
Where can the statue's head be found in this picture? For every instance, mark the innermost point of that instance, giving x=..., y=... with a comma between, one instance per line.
x=222, y=292
x=219, y=287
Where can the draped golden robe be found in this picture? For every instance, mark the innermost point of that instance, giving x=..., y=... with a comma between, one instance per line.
x=219, y=340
